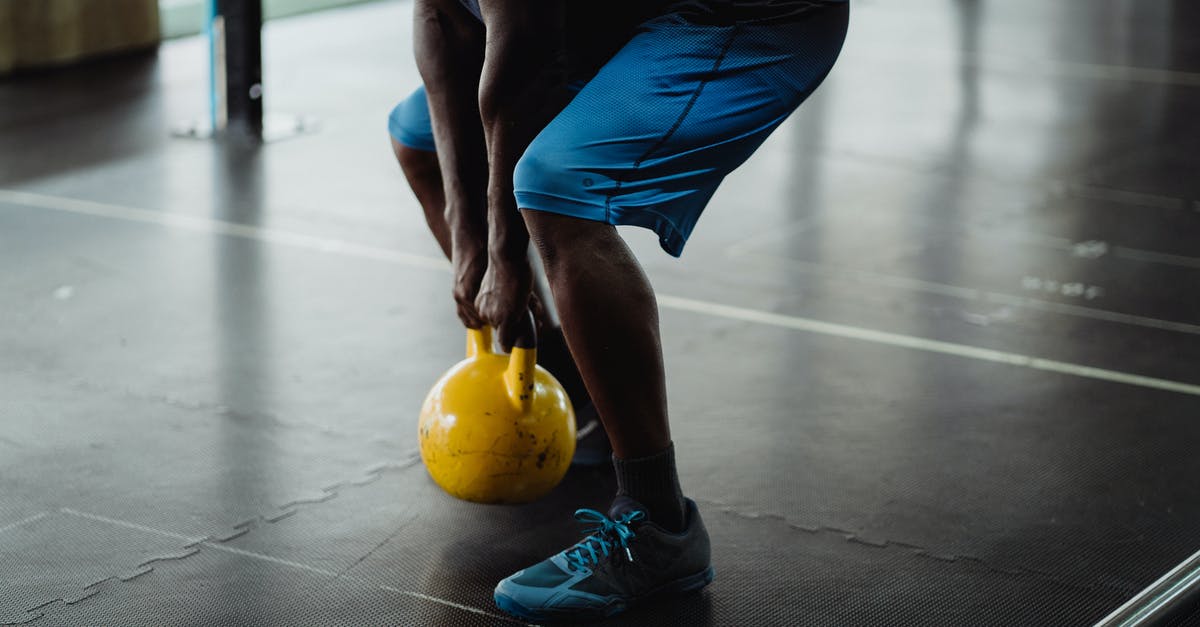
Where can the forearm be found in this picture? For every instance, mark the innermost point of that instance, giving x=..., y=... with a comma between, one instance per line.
x=448, y=44
x=522, y=86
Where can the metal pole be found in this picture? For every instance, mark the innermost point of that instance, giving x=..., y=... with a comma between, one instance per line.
x=216, y=40
x=237, y=35
x=1172, y=595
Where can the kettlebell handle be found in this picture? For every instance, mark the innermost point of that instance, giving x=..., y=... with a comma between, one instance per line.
x=479, y=341
x=519, y=377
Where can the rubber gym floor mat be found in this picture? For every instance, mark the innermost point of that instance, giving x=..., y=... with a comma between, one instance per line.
x=1188, y=620
x=961, y=457
x=251, y=331
x=964, y=459
x=62, y=556
x=222, y=588
x=192, y=470
x=1191, y=619
x=402, y=553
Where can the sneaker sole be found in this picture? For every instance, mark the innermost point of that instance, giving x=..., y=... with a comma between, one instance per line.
x=683, y=585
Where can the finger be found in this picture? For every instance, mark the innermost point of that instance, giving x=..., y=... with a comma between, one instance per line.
x=503, y=327
x=540, y=314
x=468, y=312
x=506, y=336
x=519, y=331
x=527, y=331
x=469, y=316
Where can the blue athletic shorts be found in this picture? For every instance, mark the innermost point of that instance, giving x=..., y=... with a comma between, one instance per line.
x=409, y=122
x=647, y=141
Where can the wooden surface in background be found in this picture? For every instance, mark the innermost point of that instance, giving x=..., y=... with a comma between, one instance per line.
x=39, y=33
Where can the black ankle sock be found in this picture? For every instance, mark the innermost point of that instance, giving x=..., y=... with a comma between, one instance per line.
x=653, y=482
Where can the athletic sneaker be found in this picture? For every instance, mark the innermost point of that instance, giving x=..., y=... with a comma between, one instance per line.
x=625, y=558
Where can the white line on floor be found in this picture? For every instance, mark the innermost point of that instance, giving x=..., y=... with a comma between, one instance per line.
x=1150, y=256
x=923, y=344
x=205, y=225
x=26, y=521
x=265, y=558
x=268, y=558
x=220, y=227
x=1127, y=73
x=1091, y=313
x=1026, y=67
x=212, y=545
x=127, y=525
x=967, y=293
x=468, y=608
x=1120, y=196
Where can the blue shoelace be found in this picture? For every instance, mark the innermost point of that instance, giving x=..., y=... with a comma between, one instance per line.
x=605, y=534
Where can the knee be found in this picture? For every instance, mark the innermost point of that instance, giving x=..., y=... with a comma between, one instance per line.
x=544, y=239
x=567, y=244
x=416, y=164
x=409, y=123
x=542, y=170
x=532, y=170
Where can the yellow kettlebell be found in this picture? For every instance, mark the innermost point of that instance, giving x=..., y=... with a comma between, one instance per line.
x=497, y=428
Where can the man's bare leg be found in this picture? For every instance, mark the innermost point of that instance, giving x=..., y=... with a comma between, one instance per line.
x=425, y=178
x=610, y=319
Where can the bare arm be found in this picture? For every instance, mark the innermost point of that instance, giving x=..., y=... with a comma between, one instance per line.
x=522, y=86
x=449, y=47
